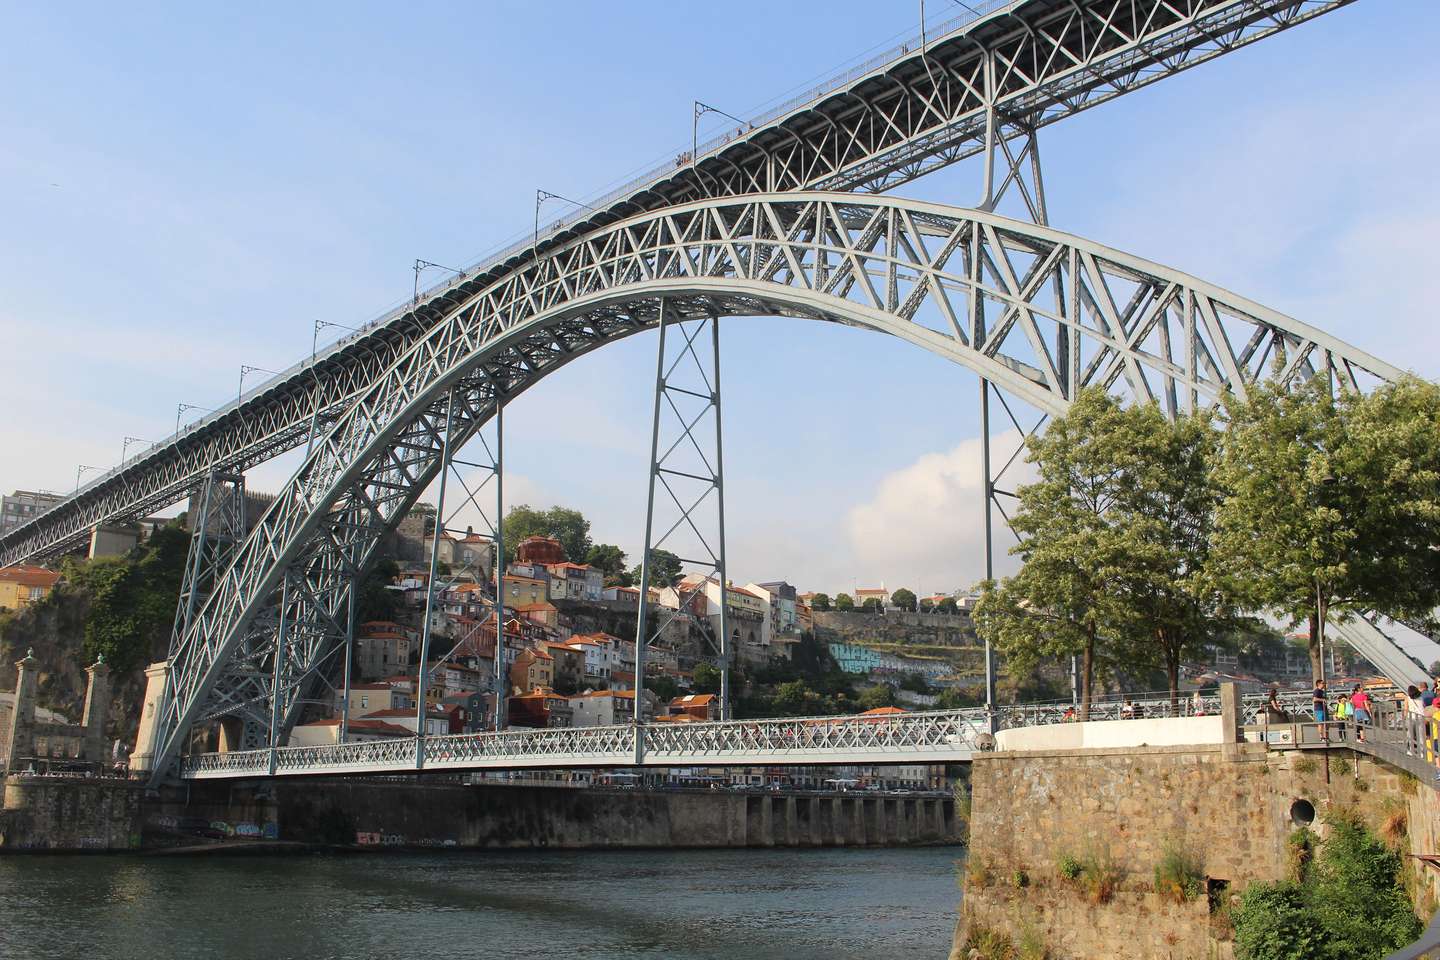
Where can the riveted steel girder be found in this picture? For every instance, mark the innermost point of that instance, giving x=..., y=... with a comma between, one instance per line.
x=992, y=294
x=1028, y=63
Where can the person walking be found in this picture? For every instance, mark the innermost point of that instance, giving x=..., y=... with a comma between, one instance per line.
x=1360, y=704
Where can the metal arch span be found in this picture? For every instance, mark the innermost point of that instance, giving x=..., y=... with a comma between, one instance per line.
x=1036, y=311
x=1000, y=66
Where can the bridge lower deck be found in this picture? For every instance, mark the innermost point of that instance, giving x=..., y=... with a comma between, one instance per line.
x=941, y=737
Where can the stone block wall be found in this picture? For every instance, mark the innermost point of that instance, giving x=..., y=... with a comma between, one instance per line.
x=70, y=813
x=1233, y=810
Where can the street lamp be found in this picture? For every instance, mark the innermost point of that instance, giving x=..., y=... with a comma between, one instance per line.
x=79, y=471
x=1327, y=483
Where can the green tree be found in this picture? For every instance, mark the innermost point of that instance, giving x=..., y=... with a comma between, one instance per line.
x=904, y=599
x=663, y=687
x=1064, y=601
x=132, y=599
x=882, y=695
x=1164, y=512
x=948, y=605
x=375, y=600
x=568, y=526
x=1331, y=503
x=665, y=569
x=844, y=602
x=820, y=601
x=707, y=678
x=608, y=559
x=1273, y=923
x=872, y=605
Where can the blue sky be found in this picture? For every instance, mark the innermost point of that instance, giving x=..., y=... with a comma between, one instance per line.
x=185, y=189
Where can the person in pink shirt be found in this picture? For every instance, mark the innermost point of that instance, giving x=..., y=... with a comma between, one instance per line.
x=1360, y=705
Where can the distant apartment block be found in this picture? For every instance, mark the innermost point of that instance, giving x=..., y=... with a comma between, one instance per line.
x=22, y=506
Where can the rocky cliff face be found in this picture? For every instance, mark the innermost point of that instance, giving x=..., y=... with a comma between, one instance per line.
x=55, y=630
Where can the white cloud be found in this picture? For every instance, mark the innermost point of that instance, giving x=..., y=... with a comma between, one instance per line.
x=924, y=526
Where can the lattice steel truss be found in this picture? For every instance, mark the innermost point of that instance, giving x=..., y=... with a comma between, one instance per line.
x=490, y=468
x=923, y=272
x=687, y=473
x=1021, y=67
x=937, y=737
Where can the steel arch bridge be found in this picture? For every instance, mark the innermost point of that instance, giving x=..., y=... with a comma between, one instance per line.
x=981, y=84
x=1037, y=312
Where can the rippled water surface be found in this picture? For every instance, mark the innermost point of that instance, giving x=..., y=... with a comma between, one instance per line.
x=753, y=904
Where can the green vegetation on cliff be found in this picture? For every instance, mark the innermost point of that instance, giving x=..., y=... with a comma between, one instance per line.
x=131, y=599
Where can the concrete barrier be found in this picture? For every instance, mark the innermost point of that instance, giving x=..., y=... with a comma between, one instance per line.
x=1098, y=734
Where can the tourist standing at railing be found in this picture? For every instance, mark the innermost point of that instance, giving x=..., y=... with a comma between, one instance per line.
x=1317, y=701
x=1360, y=704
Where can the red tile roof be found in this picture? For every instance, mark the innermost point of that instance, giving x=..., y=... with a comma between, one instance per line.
x=403, y=712
x=29, y=576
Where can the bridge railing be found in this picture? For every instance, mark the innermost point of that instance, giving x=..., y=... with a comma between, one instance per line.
x=1149, y=705
x=664, y=743
x=890, y=733
x=803, y=739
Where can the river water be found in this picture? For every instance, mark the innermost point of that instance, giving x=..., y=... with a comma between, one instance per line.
x=672, y=904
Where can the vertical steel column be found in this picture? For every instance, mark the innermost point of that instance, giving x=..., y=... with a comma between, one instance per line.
x=725, y=651
x=421, y=680
x=642, y=614
x=988, y=491
x=276, y=697
x=502, y=681
x=190, y=587
x=987, y=197
x=349, y=659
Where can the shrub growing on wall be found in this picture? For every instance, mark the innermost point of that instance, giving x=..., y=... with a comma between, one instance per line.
x=1352, y=904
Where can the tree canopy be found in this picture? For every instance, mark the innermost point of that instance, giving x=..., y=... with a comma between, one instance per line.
x=564, y=524
x=707, y=678
x=1064, y=600
x=904, y=598
x=665, y=569
x=821, y=602
x=844, y=602
x=1331, y=503
x=609, y=560
x=132, y=598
